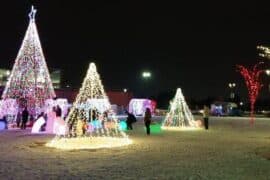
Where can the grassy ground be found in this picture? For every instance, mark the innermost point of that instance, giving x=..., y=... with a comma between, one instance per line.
x=231, y=149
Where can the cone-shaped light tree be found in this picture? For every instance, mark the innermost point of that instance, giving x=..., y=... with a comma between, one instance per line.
x=102, y=130
x=29, y=82
x=92, y=104
x=179, y=115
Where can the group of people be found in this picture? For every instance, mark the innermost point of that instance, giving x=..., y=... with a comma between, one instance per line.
x=24, y=116
x=81, y=126
x=132, y=119
x=147, y=119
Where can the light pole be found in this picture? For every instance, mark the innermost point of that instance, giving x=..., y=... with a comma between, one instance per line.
x=146, y=75
x=267, y=72
x=232, y=86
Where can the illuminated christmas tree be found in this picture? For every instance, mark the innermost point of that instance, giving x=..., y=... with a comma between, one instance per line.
x=92, y=105
x=92, y=123
x=29, y=82
x=179, y=115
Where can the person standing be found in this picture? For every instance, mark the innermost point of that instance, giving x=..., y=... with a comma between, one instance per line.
x=206, y=112
x=147, y=120
x=18, y=119
x=25, y=115
x=92, y=115
x=58, y=111
x=130, y=119
x=31, y=121
x=5, y=121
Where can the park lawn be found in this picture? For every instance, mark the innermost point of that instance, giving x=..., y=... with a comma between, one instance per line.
x=230, y=149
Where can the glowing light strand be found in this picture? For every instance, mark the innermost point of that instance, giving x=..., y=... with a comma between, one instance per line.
x=179, y=115
x=252, y=80
x=29, y=82
x=88, y=143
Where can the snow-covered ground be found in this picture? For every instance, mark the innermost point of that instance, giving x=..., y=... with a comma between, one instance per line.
x=231, y=149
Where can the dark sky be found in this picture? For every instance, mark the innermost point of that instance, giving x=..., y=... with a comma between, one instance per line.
x=194, y=46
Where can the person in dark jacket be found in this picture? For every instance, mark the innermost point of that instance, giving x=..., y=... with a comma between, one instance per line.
x=5, y=121
x=25, y=115
x=130, y=120
x=18, y=119
x=92, y=115
x=147, y=120
x=58, y=111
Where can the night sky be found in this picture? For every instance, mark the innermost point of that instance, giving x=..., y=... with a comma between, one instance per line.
x=194, y=46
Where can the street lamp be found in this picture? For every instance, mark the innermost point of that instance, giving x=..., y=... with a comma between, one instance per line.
x=146, y=74
x=146, y=83
x=125, y=90
x=232, y=86
x=8, y=73
x=267, y=72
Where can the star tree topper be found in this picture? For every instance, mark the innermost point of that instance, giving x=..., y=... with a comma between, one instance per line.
x=32, y=14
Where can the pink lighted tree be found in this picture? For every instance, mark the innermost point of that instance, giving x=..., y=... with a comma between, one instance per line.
x=252, y=80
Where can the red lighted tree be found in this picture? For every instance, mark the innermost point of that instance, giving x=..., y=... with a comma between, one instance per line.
x=252, y=79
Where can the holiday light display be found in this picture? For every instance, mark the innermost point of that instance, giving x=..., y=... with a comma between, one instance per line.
x=252, y=80
x=1, y=111
x=59, y=127
x=88, y=143
x=138, y=106
x=179, y=116
x=29, y=82
x=2, y=125
x=8, y=107
x=61, y=102
x=51, y=116
x=91, y=122
x=37, y=125
x=91, y=90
